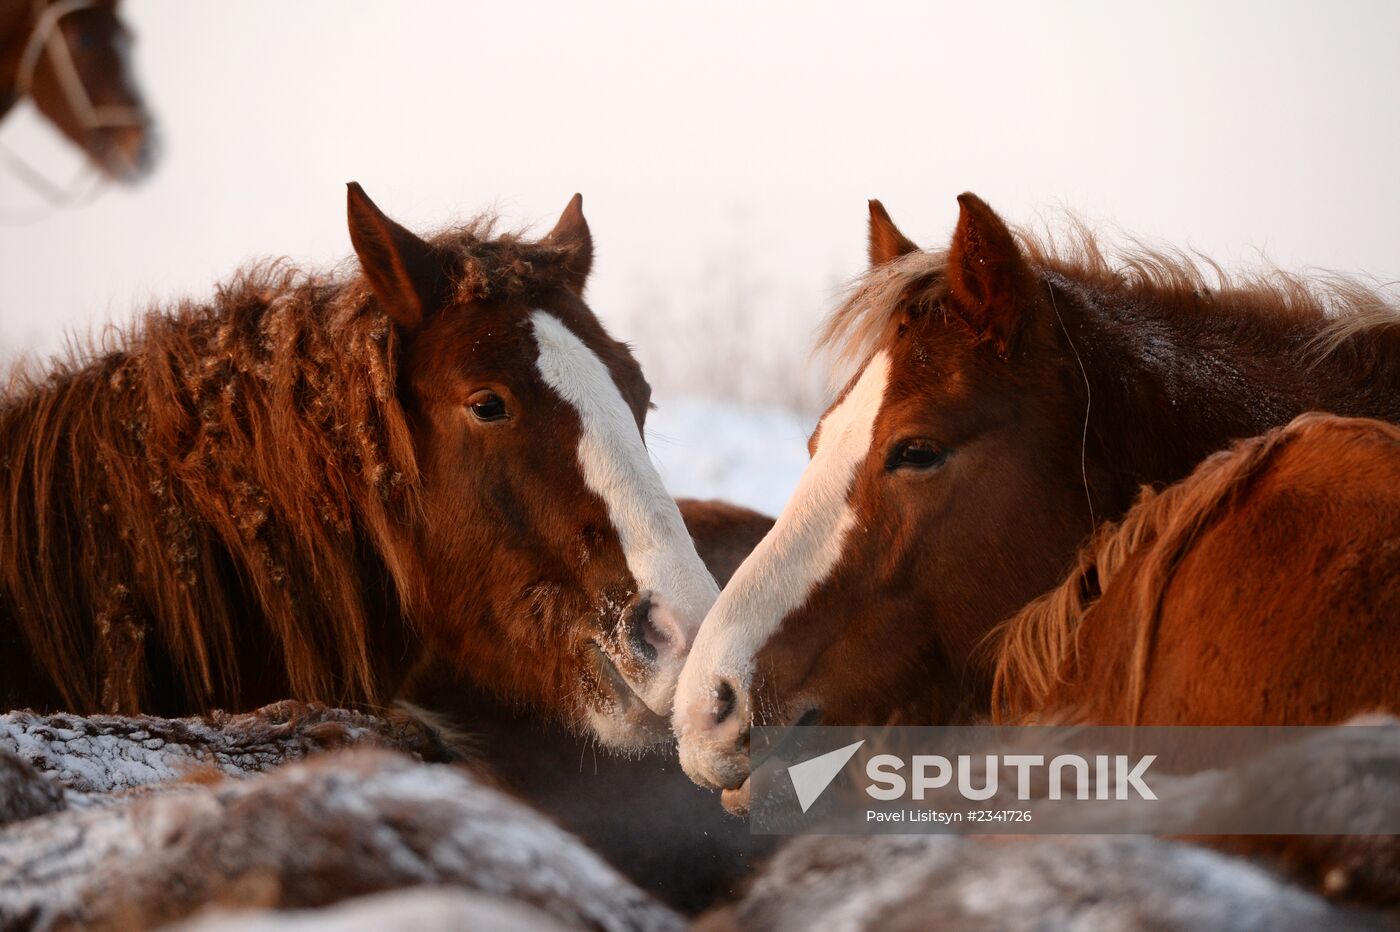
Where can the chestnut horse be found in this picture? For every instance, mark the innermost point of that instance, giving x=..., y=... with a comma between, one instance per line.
x=71, y=58
x=1007, y=399
x=294, y=490
x=1262, y=589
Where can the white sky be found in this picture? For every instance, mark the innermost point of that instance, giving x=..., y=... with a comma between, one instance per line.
x=725, y=150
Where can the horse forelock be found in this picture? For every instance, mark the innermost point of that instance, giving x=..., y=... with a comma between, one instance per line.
x=504, y=266
x=869, y=315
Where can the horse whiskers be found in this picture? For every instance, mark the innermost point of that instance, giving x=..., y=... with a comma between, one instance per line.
x=1088, y=406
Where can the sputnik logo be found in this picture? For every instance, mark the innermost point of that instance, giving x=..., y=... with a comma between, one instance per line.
x=811, y=777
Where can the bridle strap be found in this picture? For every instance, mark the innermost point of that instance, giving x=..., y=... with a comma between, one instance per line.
x=48, y=37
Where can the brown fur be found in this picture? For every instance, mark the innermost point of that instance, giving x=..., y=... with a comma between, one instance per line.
x=724, y=534
x=1263, y=589
x=1032, y=647
x=252, y=450
x=24, y=792
x=1059, y=381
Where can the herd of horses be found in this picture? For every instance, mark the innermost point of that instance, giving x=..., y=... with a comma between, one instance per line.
x=1061, y=484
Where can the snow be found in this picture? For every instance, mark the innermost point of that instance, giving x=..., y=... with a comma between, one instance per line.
x=743, y=454
x=341, y=823
x=1061, y=882
x=424, y=909
x=86, y=762
x=92, y=756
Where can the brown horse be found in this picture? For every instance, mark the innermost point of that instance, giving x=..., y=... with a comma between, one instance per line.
x=1262, y=589
x=1007, y=398
x=71, y=57
x=292, y=490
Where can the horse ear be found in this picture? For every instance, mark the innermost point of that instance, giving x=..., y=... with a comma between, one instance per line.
x=986, y=273
x=572, y=236
x=886, y=242
x=405, y=272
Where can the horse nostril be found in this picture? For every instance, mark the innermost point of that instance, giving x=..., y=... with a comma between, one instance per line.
x=639, y=628
x=725, y=700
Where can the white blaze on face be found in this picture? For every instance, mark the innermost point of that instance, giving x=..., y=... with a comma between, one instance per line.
x=797, y=555
x=658, y=549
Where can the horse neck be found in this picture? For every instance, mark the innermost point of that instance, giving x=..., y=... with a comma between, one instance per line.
x=1171, y=384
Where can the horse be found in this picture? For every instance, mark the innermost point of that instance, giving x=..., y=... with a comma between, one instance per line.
x=72, y=59
x=1008, y=396
x=298, y=488
x=1262, y=589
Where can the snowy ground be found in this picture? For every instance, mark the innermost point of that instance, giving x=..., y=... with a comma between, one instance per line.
x=716, y=449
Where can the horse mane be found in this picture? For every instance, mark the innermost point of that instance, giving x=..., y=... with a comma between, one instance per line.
x=1033, y=646
x=221, y=465
x=871, y=311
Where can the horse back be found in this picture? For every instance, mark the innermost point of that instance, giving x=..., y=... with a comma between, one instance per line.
x=724, y=534
x=1283, y=609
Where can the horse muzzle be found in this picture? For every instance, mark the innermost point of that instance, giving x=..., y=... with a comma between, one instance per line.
x=126, y=153
x=648, y=647
x=713, y=733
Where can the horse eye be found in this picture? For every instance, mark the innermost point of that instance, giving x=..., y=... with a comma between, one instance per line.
x=916, y=454
x=487, y=406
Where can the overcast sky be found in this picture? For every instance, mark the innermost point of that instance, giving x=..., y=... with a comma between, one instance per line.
x=725, y=150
